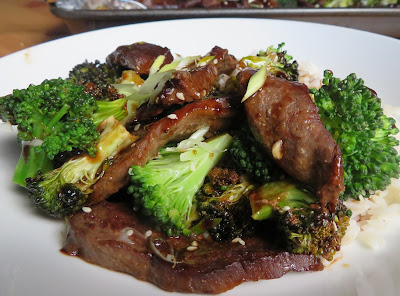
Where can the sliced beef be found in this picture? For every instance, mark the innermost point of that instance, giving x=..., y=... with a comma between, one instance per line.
x=112, y=236
x=285, y=120
x=216, y=113
x=190, y=84
x=139, y=56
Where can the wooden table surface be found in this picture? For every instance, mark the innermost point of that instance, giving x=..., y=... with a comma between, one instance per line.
x=24, y=23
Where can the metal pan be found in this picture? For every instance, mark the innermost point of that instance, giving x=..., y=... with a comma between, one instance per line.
x=384, y=21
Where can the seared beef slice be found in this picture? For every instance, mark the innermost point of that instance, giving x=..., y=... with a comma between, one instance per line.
x=285, y=120
x=215, y=113
x=112, y=236
x=139, y=56
x=190, y=84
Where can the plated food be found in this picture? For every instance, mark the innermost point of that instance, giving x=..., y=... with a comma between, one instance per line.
x=147, y=141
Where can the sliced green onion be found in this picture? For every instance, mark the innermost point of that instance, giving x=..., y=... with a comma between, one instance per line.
x=256, y=82
x=179, y=63
x=156, y=64
x=204, y=61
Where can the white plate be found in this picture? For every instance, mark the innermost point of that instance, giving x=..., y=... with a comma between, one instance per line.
x=30, y=260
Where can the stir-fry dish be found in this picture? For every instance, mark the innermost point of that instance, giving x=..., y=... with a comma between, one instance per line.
x=199, y=173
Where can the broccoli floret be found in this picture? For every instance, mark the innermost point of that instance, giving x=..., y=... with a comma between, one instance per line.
x=165, y=187
x=64, y=190
x=52, y=109
x=251, y=158
x=303, y=226
x=53, y=117
x=101, y=74
x=353, y=114
x=276, y=61
x=224, y=211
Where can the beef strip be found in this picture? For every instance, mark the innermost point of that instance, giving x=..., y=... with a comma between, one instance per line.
x=216, y=113
x=139, y=56
x=283, y=117
x=101, y=237
x=190, y=84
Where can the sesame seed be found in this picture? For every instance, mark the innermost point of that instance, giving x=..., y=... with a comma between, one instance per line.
x=239, y=240
x=172, y=116
x=136, y=128
x=148, y=233
x=335, y=226
x=191, y=248
x=215, y=61
x=129, y=232
x=86, y=209
x=195, y=244
x=277, y=149
x=180, y=96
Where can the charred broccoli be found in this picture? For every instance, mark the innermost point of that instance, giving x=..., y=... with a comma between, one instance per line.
x=353, y=114
x=165, y=188
x=251, y=159
x=64, y=190
x=101, y=74
x=302, y=224
x=223, y=209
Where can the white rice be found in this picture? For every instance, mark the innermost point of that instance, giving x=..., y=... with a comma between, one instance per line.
x=310, y=75
x=371, y=216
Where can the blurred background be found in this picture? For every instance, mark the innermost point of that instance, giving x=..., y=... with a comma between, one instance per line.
x=24, y=23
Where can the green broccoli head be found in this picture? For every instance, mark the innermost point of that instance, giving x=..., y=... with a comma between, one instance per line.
x=62, y=191
x=299, y=221
x=353, y=114
x=53, y=110
x=56, y=116
x=51, y=193
x=165, y=188
x=251, y=158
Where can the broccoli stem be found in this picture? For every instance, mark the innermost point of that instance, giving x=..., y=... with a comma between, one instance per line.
x=30, y=163
x=108, y=108
x=58, y=116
